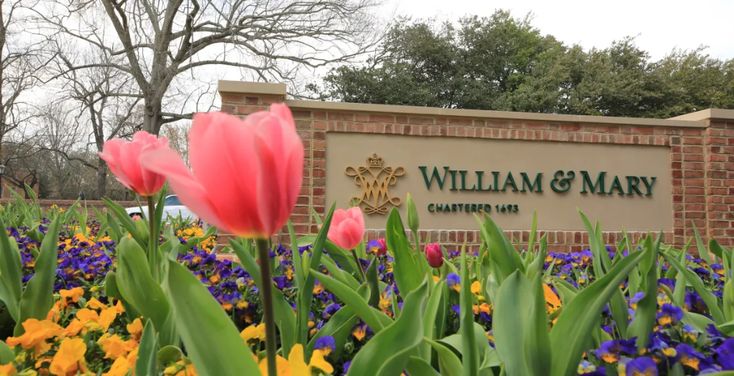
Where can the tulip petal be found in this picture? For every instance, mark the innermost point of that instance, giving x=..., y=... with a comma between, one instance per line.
x=111, y=155
x=225, y=161
x=166, y=162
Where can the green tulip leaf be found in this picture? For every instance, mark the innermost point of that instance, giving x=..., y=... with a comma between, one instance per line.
x=448, y=362
x=38, y=296
x=389, y=351
x=305, y=294
x=374, y=318
x=569, y=337
x=504, y=258
x=406, y=269
x=211, y=340
x=285, y=319
x=712, y=302
x=418, y=366
x=142, y=292
x=340, y=327
x=644, y=320
x=146, y=364
x=519, y=324
x=10, y=274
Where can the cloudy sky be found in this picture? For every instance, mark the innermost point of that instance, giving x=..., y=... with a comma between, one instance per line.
x=658, y=26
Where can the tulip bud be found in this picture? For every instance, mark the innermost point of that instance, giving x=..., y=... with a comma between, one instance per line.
x=347, y=227
x=378, y=247
x=434, y=255
x=124, y=161
x=413, y=222
x=383, y=246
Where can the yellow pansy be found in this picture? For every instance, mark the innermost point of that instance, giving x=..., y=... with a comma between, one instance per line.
x=35, y=335
x=385, y=301
x=181, y=368
x=359, y=332
x=73, y=294
x=119, y=307
x=551, y=299
x=476, y=289
x=107, y=316
x=74, y=327
x=7, y=369
x=135, y=328
x=253, y=332
x=317, y=288
x=95, y=304
x=70, y=357
x=97, y=321
x=486, y=308
x=132, y=357
x=115, y=347
x=54, y=314
x=296, y=366
x=120, y=367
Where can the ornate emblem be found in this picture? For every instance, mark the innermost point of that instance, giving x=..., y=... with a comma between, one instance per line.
x=374, y=181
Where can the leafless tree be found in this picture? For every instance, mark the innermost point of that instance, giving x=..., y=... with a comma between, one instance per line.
x=106, y=99
x=21, y=60
x=161, y=40
x=20, y=156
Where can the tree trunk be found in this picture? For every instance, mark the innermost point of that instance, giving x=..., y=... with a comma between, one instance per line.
x=101, y=179
x=152, y=117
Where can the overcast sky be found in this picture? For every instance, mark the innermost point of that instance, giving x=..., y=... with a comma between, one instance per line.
x=659, y=26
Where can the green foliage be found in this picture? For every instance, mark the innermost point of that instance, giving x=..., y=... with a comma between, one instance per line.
x=644, y=319
x=284, y=317
x=37, y=298
x=142, y=292
x=570, y=335
x=147, y=352
x=211, y=339
x=10, y=269
x=389, y=351
x=409, y=271
x=504, y=63
x=520, y=326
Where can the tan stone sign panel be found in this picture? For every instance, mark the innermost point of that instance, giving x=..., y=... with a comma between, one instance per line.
x=625, y=187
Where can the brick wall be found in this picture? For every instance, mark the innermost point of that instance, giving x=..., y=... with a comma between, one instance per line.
x=701, y=153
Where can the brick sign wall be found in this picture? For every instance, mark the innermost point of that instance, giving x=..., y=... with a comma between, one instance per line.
x=700, y=171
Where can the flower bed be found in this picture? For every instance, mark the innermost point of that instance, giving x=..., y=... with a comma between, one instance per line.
x=123, y=296
x=88, y=331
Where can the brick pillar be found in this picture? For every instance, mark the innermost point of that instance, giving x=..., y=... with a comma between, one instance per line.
x=719, y=141
x=244, y=98
x=717, y=171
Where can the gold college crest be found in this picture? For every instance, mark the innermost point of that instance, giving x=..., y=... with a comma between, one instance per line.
x=374, y=181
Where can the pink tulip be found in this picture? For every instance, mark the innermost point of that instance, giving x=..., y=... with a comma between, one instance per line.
x=245, y=175
x=347, y=227
x=123, y=159
x=434, y=255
